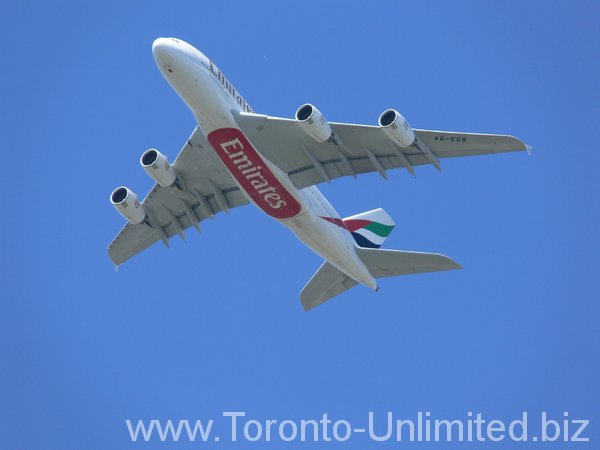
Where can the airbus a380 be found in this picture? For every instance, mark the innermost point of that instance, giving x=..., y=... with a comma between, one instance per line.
x=235, y=157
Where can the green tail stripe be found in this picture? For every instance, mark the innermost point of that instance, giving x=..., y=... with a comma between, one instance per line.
x=379, y=229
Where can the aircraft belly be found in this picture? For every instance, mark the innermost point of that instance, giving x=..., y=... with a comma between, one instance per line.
x=264, y=184
x=271, y=190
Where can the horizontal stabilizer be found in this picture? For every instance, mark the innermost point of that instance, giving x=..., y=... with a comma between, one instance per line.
x=326, y=283
x=329, y=282
x=390, y=263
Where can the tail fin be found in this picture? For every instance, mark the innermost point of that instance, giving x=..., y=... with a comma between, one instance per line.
x=328, y=281
x=370, y=228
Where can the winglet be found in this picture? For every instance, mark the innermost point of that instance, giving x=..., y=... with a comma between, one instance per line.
x=529, y=148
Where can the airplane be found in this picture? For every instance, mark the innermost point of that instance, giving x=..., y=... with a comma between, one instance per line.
x=235, y=157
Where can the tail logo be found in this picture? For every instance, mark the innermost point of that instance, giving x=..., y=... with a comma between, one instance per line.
x=368, y=233
x=369, y=229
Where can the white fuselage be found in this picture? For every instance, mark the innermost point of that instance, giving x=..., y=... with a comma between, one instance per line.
x=214, y=102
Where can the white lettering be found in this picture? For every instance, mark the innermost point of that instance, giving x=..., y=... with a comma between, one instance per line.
x=583, y=425
x=387, y=435
x=233, y=143
x=243, y=162
x=234, y=415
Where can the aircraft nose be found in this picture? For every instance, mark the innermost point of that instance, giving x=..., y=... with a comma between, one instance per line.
x=162, y=48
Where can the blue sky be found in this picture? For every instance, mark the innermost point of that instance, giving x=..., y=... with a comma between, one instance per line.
x=215, y=324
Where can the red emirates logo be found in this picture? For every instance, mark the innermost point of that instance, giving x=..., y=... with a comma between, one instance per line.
x=249, y=169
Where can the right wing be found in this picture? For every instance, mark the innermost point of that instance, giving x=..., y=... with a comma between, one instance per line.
x=361, y=148
x=206, y=189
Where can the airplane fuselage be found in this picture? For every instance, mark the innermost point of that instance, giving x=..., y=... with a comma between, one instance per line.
x=215, y=102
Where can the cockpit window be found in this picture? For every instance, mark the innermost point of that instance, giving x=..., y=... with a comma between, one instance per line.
x=175, y=40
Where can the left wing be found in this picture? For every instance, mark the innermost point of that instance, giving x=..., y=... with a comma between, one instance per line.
x=206, y=188
x=359, y=149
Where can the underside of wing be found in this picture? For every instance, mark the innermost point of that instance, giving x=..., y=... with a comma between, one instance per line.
x=203, y=189
x=355, y=149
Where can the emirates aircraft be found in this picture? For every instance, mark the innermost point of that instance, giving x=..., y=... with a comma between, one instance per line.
x=235, y=157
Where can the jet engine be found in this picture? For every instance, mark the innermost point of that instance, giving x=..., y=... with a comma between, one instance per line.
x=313, y=123
x=157, y=166
x=396, y=128
x=127, y=204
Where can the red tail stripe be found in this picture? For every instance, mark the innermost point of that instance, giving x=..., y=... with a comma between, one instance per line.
x=356, y=224
x=334, y=220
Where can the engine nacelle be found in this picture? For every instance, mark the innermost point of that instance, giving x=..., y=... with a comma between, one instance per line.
x=127, y=204
x=157, y=166
x=396, y=128
x=313, y=123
